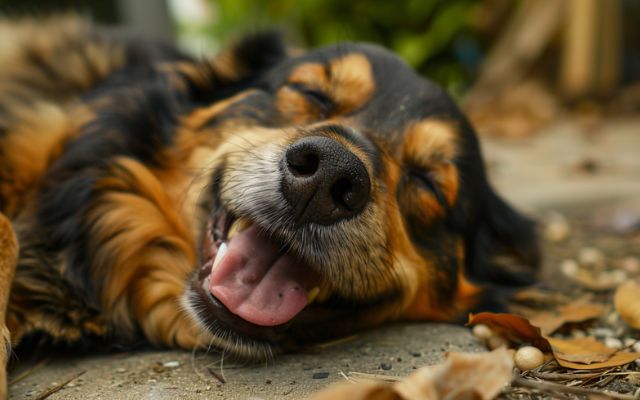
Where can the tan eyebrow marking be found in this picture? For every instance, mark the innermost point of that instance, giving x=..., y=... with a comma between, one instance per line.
x=432, y=144
x=430, y=141
x=352, y=81
x=348, y=80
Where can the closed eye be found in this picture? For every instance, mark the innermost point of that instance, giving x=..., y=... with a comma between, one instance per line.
x=424, y=180
x=320, y=99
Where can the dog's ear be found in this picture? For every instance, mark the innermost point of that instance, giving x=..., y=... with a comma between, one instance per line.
x=234, y=69
x=259, y=52
x=502, y=250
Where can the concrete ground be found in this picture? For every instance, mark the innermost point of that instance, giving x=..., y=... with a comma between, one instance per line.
x=569, y=165
x=394, y=350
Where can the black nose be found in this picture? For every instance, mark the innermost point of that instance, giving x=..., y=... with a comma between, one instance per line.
x=323, y=181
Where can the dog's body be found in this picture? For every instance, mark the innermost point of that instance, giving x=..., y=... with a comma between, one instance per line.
x=253, y=202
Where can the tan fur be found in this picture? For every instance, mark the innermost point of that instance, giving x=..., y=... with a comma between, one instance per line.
x=23, y=164
x=143, y=269
x=348, y=81
x=431, y=145
x=431, y=141
x=51, y=54
x=8, y=259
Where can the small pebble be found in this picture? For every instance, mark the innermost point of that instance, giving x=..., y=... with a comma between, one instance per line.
x=612, y=342
x=496, y=341
x=171, y=364
x=602, y=332
x=528, y=357
x=591, y=257
x=578, y=334
x=320, y=375
x=482, y=331
x=557, y=228
x=385, y=366
x=569, y=267
x=630, y=264
x=636, y=347
x=612, y=319
x=121, y=370
x=628, y=342
x=618, y=276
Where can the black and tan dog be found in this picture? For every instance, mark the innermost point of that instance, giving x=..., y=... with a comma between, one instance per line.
x=252, y=202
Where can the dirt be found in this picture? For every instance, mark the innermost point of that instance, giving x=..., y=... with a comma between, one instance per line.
x=394, y=350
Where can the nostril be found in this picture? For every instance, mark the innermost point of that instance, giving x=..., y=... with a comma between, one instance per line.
x=302, y=163
x=343, y=194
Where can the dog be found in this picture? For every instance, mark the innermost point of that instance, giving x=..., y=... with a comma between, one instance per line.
x=254, y=202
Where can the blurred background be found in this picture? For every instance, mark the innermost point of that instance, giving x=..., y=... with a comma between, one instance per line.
x=529, y=59
x=522, y=70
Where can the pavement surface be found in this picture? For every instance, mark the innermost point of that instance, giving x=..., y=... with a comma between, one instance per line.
x=571, y=164
x=394, y=350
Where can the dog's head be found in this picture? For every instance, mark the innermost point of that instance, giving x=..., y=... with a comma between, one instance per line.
x=345, y=191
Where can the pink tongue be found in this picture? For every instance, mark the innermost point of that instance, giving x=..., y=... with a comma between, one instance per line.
x=258, y=283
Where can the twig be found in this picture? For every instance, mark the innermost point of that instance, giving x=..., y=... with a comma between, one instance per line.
x=561, y=376
x=216, y=375
x=30, y=371
x=341, y=373
x=554, y=387
x=57, y=387
x=374, y=377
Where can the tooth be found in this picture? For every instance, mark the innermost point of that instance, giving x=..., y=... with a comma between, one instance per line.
x=313, y=293
x=238, y=226
x=220, y=255
x=324, y=294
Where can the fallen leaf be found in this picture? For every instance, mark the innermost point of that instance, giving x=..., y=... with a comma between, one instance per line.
x=514, y=328
x=599, y=280
x=358, y=391
x=585, y=350
x=540, y=297
x=457, y=377
x=580, y=311
x=579, y=353
x=627, y=302
x=588, y=353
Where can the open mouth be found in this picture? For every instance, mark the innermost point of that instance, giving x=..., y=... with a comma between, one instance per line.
x=250, y=281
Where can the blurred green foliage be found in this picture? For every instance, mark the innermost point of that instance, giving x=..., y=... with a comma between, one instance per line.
x=434, y=36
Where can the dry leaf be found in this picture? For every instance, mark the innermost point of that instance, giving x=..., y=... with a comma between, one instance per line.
x=588, y=353
x=540, y=297
x=512, y=327
x=585, y=350
x=580, y=311
x=358, y=391
x=455, y=378
x=627, y=302
x=458, y=377
x=599, y=280
x=582, y=353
